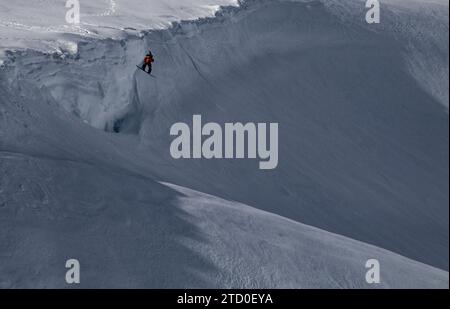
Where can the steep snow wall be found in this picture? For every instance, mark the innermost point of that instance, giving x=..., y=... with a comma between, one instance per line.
x=361, y=108
x=68, y=191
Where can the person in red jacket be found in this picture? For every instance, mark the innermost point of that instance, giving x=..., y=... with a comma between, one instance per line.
x=148, y=62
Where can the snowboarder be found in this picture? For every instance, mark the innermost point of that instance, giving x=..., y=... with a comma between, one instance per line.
x=148, y=62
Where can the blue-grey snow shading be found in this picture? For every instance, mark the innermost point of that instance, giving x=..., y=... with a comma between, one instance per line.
x=363, y=114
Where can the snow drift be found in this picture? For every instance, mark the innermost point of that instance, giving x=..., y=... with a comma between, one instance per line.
x=363, y=114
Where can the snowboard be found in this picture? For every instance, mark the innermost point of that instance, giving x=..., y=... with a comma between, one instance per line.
x=140, y=68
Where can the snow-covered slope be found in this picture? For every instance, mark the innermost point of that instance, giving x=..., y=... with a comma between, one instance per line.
x=363, y=152
x=129, y=231
x=41, y=24
x=270, y=251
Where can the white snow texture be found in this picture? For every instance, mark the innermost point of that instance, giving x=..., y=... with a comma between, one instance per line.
x=86, y=173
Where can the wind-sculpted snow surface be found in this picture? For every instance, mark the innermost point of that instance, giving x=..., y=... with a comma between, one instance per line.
x=270, y=251
x=81, y=197
x=363, y=152
x=42, y=24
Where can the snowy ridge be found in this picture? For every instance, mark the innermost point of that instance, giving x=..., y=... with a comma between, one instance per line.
x=272, y=251
x=370, y=166
x=25, y=28
x=133, y=232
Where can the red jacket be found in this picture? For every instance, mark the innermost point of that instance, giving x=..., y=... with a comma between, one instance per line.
x=148, y=59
